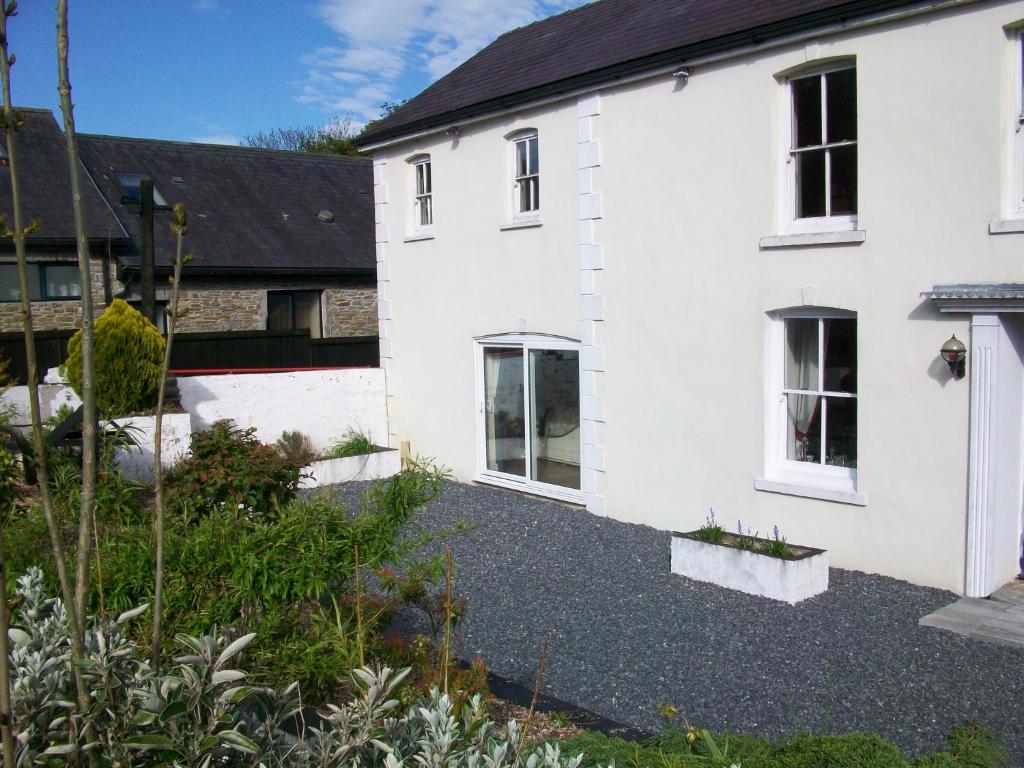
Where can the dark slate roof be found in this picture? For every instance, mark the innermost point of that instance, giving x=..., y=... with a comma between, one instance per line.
x=249, y=210
x=45, y=185
x=602, y=41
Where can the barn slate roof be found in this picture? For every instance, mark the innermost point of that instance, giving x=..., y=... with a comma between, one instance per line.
x=603, y=41
x=250, y=211
x=45, y=185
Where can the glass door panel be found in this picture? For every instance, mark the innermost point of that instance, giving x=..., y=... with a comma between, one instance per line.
x=504, y=410
x=555, y=417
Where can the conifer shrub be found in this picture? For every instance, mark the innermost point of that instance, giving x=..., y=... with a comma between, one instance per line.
x=129, y=356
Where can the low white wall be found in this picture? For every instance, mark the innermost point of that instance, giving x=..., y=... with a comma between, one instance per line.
x=368, y=466
x=323, y=405
x=175, y=436
x=51, y=398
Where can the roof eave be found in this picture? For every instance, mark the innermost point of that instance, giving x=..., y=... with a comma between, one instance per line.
x=755, y=36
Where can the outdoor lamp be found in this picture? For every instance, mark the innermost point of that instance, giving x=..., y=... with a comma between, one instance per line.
x=955, y=354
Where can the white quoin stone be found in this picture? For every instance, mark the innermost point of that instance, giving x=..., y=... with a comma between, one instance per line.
x=773, y=577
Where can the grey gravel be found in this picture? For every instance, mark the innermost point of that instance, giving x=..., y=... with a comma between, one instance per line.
x=626, y=635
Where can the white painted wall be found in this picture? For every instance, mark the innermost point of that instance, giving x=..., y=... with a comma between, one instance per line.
x=51, y=398
x=690, y=184
x=323, y=405
x=175, y=438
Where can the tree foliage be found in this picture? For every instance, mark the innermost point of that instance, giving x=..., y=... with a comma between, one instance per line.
x=336, y=137
x=129, y=356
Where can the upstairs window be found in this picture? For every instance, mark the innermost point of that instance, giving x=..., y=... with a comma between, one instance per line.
x=823, y=149
x=527, y=175
x=423, y=191
x=1017, y=202
x=46, y=282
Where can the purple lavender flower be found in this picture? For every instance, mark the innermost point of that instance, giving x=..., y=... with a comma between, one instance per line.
x=775, y=532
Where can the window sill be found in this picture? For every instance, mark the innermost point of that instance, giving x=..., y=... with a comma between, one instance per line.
x=1005, y=226
x=569, y=495
x=419, y=236
x=805, y=239
x=521, y=224
x=811, y=491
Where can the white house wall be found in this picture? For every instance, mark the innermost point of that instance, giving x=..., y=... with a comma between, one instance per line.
x=473, y=278
x=689, y=180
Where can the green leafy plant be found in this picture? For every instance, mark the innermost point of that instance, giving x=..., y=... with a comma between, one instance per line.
x=710, y=531
x=296, y=448
x=743, y=540
x=353, y=444
x=775, y=546
x=203, y=712
x=129, y=354
x=228, y=467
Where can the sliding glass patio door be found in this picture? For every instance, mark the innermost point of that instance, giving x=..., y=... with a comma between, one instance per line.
x=530, y=414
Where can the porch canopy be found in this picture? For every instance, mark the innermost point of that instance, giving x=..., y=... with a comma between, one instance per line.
x=977, y=297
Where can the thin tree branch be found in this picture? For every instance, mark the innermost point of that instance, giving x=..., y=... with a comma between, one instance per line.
x=180, y=229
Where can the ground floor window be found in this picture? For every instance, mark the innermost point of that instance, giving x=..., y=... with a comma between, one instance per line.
x=46, y=282
x=529, y=411
x=287, y=310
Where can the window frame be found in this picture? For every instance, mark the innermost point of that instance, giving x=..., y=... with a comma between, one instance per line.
x=41, y=282
x=423, y=196
x=792, y=224
x=1016, y=122
x=778, y=466
x=291, y=293
x=527, y=343
x=533, y=175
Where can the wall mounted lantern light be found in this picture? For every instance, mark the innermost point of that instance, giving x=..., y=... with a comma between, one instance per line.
x=955, y=354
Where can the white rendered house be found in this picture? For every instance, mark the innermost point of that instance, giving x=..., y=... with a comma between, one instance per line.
x=706, y=256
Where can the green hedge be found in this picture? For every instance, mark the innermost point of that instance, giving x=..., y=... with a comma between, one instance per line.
x=970, y=746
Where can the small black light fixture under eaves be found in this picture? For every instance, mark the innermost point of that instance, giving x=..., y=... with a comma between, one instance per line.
x=955, y=354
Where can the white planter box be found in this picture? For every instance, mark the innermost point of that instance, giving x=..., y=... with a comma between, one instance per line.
x=175, y=437
x=368, y=466
x=788, y=580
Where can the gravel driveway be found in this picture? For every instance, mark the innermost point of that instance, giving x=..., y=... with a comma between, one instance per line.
x=626, y=635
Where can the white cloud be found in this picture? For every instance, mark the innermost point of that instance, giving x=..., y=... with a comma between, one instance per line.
x=218, y=138
x=381, y=41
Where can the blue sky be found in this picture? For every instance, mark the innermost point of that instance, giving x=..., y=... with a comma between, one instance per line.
x=218, y=70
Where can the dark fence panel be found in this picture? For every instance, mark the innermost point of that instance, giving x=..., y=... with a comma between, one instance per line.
x=347, y=351
x=241, y=349
x=213, y=351
x=51, y=351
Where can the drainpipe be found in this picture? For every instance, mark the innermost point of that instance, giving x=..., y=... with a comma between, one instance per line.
x=148, y=267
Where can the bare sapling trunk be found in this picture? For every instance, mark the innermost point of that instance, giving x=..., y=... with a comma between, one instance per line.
x=6, y=717
x=89, y=426
x=180, y=229
x=11, y=121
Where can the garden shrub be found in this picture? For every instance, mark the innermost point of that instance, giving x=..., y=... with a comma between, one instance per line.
x=286, y=576
x=202, y=712
x=296, y=448
x=969, y=747
x=229, y=467
x=352, y=444
x=129, y=357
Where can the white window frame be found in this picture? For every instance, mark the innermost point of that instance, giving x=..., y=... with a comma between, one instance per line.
x=526, y=342
x=524, y=137
x=423, y=194
x=1016, y=175
x=791, y=223
x=782, y=474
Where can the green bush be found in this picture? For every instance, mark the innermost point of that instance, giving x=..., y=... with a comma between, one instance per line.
x=288, y=577
x=129, y=356
x=353, y=444
x=200, y=712
x=969, y=747
x=228, y=467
